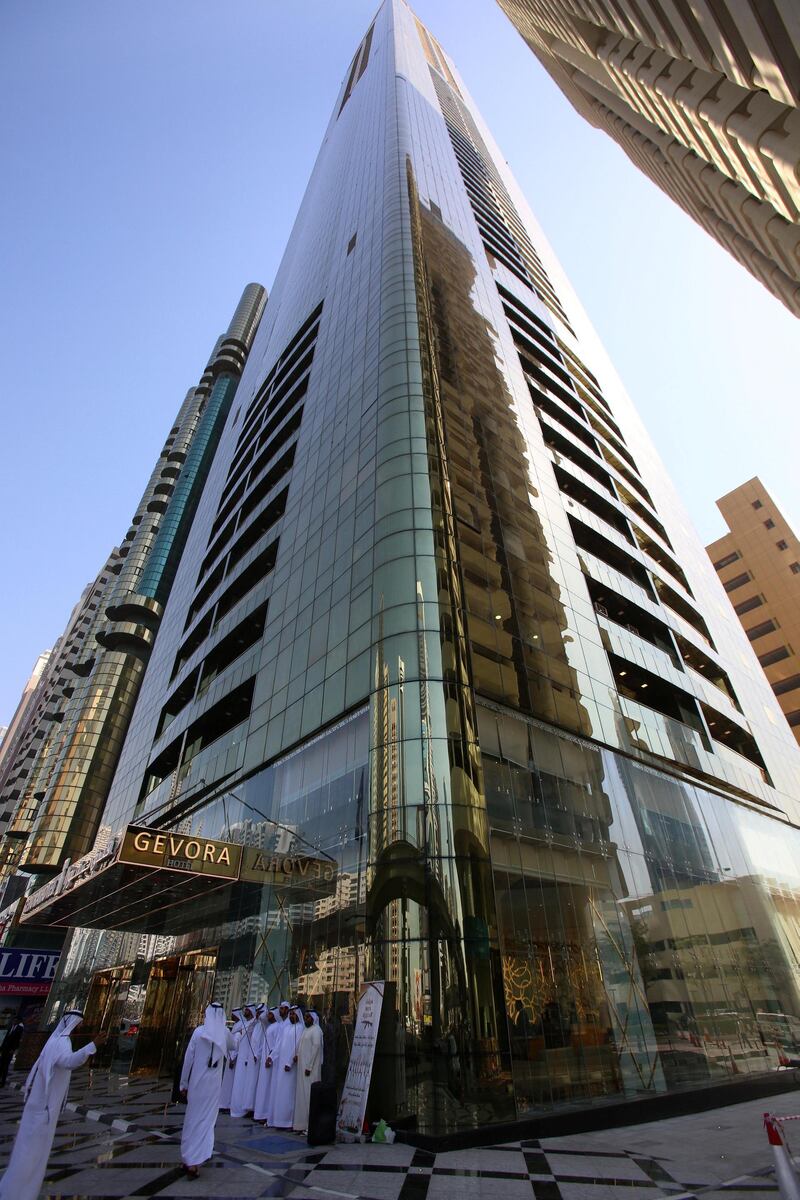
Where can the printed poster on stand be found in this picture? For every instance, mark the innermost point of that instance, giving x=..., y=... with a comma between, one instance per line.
x=353, y=1105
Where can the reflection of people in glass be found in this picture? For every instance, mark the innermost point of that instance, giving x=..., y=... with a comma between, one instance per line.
x=522, y=1030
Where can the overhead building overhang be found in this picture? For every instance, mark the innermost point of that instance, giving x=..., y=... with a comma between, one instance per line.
x=157, y=881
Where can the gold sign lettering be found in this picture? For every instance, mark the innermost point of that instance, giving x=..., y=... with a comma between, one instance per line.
x=176, y=852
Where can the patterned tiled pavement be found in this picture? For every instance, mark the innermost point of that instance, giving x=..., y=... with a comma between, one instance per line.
x=121, y=1139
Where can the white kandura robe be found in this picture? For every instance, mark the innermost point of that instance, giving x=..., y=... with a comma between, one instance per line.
x=26, y=1168
x=245, y=1073
x=309, y=1058
x=266, y=1075
x=202, y=1083
x=285, y=1085
x=227, y=1078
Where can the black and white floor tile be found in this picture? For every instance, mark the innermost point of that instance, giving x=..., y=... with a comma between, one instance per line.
x=122, y=1139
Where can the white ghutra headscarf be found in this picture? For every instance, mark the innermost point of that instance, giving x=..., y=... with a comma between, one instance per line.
x=215, y=1031
x=53, y=1047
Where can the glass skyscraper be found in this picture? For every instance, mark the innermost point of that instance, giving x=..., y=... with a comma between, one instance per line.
x=445, y=692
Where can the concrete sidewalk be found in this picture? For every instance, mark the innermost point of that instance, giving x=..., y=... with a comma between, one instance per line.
x=120, y=1138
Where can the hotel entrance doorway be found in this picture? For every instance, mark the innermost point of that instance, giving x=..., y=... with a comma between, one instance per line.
x=178, y=990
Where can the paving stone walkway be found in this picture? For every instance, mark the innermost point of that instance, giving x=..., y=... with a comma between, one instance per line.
x=119, y=1138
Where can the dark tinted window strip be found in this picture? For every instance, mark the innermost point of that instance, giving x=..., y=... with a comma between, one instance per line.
x=747, y=605
x=265, y=395
x=786, y=685
x=191, y=644
x=516, y=303
x=612, y=460
x=602, y=432
x=543, y=403
x=221, y=541
x=276, y=433
x=223, y=716
x=236, y=643
x=759, y=631
x=258, y=569
x=584, y=495
x=267, y=482
x=284, y=354
x=254, y=532
x=644, y=515
x=733, y=557
x=660, y=556
x=563, y=446
x=350, y=81
x=773, y=656
x=283, y=435
x=203, y=595
x=177, y=702
x=594, y=382
x=737, y=581
x=252, y=503
x=536, y=375
x=539, y=354
x=603, y=415
x=365, y=52
x=280, y=389
x=516, y=319
x=683, y=608
x=228, y=504
x=608, y=552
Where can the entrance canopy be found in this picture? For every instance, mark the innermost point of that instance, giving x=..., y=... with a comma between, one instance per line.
x=156, y=881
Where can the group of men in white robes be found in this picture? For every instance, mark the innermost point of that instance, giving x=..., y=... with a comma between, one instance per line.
x=264, y=1066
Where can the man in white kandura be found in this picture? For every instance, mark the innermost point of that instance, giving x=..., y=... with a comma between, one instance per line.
x=45, y=1092
x=281, y=1022
x=269, y=1019
x=245, y=1075
x=201, y=1081
x=227, y=1078
x=285, y=1063
x=309, y=1069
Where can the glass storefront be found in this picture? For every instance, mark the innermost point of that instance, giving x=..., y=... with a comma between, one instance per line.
x=648, y=927
x=636, y=933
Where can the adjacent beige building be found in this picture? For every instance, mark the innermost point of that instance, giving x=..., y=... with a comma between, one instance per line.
x=703, y=98
x=758, y=563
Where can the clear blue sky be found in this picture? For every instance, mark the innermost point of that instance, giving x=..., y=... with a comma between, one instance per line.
x=154, y=155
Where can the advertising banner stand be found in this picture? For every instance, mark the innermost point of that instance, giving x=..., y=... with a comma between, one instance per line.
x=353, y=1104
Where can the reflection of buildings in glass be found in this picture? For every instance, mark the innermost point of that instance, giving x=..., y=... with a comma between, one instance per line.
x=337, y=969
x=714, y=957
x=668, y=820
x=576, y=1005
x=517, y=625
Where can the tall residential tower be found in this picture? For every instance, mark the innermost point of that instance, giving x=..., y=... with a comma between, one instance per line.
x=57, y=774
x=703, y=98
x=445, y=693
